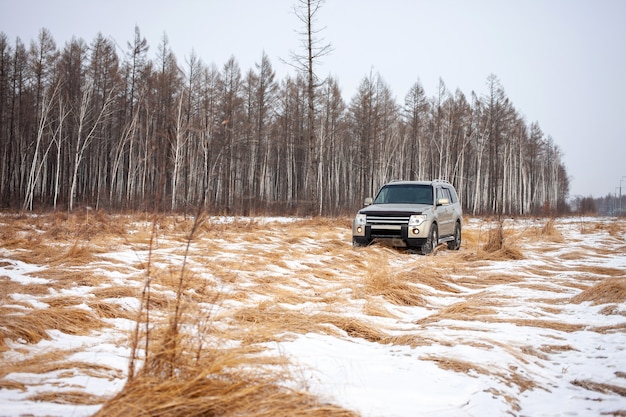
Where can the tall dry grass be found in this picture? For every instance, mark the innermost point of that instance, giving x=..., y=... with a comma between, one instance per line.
x=608, y=291
x=183, y=375
x=382, y=280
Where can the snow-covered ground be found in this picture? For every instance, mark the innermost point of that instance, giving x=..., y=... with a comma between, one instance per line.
x=537, y=336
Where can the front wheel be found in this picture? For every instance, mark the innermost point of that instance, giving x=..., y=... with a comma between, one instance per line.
x=359, y=243
x=456, y=243
x=431, y=241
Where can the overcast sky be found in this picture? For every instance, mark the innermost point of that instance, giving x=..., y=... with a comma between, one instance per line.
x=561, y=62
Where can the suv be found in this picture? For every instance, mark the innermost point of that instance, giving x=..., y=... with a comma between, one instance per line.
x=411, y=214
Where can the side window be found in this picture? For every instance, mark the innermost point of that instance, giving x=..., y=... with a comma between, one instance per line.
x=446, y=194
x=453, y=197
x=443, y=193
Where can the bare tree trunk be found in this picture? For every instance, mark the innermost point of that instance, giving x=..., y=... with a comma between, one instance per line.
x=83, y=143
x=35, y=167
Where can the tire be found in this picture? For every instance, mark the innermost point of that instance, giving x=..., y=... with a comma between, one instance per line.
x=431, y=241
x=456, y=243
x=356, y=243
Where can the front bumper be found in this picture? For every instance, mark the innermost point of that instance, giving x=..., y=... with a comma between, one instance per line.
x=393, y=235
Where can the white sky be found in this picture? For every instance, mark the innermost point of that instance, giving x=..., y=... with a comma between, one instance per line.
x=561, y=62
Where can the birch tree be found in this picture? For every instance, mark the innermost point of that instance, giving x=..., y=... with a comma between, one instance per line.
x=86, y=132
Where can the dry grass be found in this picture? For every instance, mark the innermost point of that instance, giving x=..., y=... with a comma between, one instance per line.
x=206, y=393
x=608, y=291
x=382, y=281
x=500, y=245
x=31, y=326
x=600, y=387
x=550, y=232
x=376, y=309
x=356, y=328
x=207, y=313
x=461, y=311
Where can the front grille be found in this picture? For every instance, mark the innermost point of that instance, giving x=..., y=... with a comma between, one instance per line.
x=390, y=220
x=382, y=226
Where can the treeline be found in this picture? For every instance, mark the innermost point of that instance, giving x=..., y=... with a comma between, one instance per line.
x=82, y=125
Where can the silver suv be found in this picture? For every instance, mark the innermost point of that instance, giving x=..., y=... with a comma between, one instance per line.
x=411, y=214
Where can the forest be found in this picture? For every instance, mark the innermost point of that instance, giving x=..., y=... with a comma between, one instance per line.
x=88, y=125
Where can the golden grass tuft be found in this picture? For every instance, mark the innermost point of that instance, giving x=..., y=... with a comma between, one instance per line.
x=608, y=291
x=600, y=387
x=495, y=240
x=32, y=326
x=498, y=247
x=506, y=253
x=72, y=397
x=356, y=328
x=381, y=280
x=270, y=322
x=108, y=310
x=201, y=393
x=544, y=324
x=550, y=232
x=456, y=365
x=601, y=270
x=461, y=311
x=431, y=277
x=376, y=309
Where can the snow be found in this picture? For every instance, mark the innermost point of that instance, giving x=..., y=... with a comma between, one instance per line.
x=510, y=364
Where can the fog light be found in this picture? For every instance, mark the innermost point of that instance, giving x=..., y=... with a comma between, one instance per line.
x=359, y=229
x=416, y=231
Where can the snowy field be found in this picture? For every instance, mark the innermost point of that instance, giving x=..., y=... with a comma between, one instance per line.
x=534, y=327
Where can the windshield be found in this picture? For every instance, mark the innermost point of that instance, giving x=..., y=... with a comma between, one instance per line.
x=405, y=194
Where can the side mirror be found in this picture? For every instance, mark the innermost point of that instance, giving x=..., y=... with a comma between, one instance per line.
x=368, y=201
x=443, y=202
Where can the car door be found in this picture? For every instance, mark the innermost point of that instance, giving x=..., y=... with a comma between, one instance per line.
x=445, y=213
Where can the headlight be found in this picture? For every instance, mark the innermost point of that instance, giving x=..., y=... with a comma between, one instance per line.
x=360, y=220
x=417, y=219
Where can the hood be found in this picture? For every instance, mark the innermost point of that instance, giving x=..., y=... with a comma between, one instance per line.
x=398, y=209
